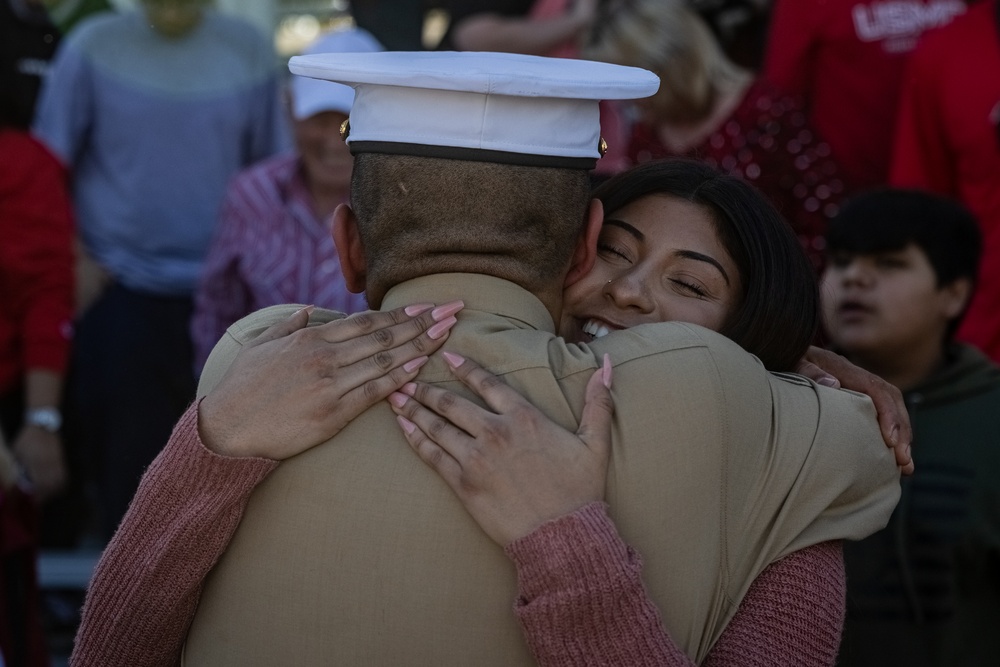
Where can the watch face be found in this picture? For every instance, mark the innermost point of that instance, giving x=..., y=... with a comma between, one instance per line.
x=49, y=419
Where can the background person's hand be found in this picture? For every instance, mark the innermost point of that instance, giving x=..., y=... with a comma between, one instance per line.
x=584, y=12
x=41, y=455
x=8, y=467
x=830, y=369
x=513, y=468
x=294, y=386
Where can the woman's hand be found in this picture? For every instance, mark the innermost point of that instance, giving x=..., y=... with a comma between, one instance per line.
x=513, y=468
x=832, y=370
x=294, y=387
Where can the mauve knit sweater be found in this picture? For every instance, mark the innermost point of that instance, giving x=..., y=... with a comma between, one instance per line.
x=580, y=600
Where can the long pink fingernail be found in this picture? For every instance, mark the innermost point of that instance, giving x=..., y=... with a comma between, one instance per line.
x=447, y=310
x=397, y=399
x=418, y=308
x=304, y=309
x=441, y=328
x=410, y=389
x=453, y=359
x=414, y=364
x=606, y=371
x=406, y=424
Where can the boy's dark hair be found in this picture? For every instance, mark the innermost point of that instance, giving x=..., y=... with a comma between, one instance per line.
x=889, y=219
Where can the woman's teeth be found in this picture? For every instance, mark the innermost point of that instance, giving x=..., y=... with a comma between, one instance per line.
x=595, y=328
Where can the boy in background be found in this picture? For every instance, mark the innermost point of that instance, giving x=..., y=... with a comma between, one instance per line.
x=926, y=590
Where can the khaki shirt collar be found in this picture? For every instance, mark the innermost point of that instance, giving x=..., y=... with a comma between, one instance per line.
x=479, y=292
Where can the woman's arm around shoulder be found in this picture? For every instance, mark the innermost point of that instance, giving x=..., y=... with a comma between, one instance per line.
x=146, y=586
x=535, y=488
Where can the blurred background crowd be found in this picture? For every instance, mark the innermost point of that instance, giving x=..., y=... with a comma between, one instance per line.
x=161, y=176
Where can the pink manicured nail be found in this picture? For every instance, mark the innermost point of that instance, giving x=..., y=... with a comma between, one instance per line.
x=828, y=381
x=606, y=371
x=414, y=364
x=418, y=308
x=306, y=309
x=447, y=310
x=406, y=424
x=453, y=359
x=441, y=328
x=397, y=399
x=410, y=389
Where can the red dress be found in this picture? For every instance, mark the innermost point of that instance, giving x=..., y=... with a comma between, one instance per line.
x=768, y=142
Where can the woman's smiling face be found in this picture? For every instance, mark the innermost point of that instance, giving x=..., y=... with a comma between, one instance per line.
x=659, y=259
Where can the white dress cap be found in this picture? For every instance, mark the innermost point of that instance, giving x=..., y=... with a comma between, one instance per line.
x=491, y=107
x=311, y=96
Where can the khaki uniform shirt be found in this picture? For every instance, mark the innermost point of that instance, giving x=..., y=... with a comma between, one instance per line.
x=357, y=553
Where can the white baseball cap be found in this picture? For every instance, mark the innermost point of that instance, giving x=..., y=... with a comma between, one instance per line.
x=312, y=96
x=491, y=107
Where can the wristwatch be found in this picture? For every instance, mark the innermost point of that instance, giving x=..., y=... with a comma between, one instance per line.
x=47, y=418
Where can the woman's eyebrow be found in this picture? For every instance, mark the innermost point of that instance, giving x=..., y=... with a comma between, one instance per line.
x=687, y=254
x=691, y=254
x=639, y=236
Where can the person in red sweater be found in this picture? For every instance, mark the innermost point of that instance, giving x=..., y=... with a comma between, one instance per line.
x=844, y=59
x=36, y=281
x=948, y=142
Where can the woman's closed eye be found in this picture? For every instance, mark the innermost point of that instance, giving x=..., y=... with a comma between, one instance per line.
x=614, y=251
x=690, y=287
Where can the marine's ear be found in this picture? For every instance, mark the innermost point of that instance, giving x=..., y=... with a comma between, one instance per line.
x=585, y=253
x=347, y=238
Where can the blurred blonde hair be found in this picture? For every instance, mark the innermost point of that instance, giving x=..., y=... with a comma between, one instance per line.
x=667, y=38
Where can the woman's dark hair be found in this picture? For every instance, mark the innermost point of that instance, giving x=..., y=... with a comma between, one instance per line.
x=778, y=313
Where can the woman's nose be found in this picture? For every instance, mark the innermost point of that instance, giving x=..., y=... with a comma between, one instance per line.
x=627, y=291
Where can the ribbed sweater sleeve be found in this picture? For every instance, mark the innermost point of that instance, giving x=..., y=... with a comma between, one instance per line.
x=581, y=601
x=146, y=585
x=793, y=614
